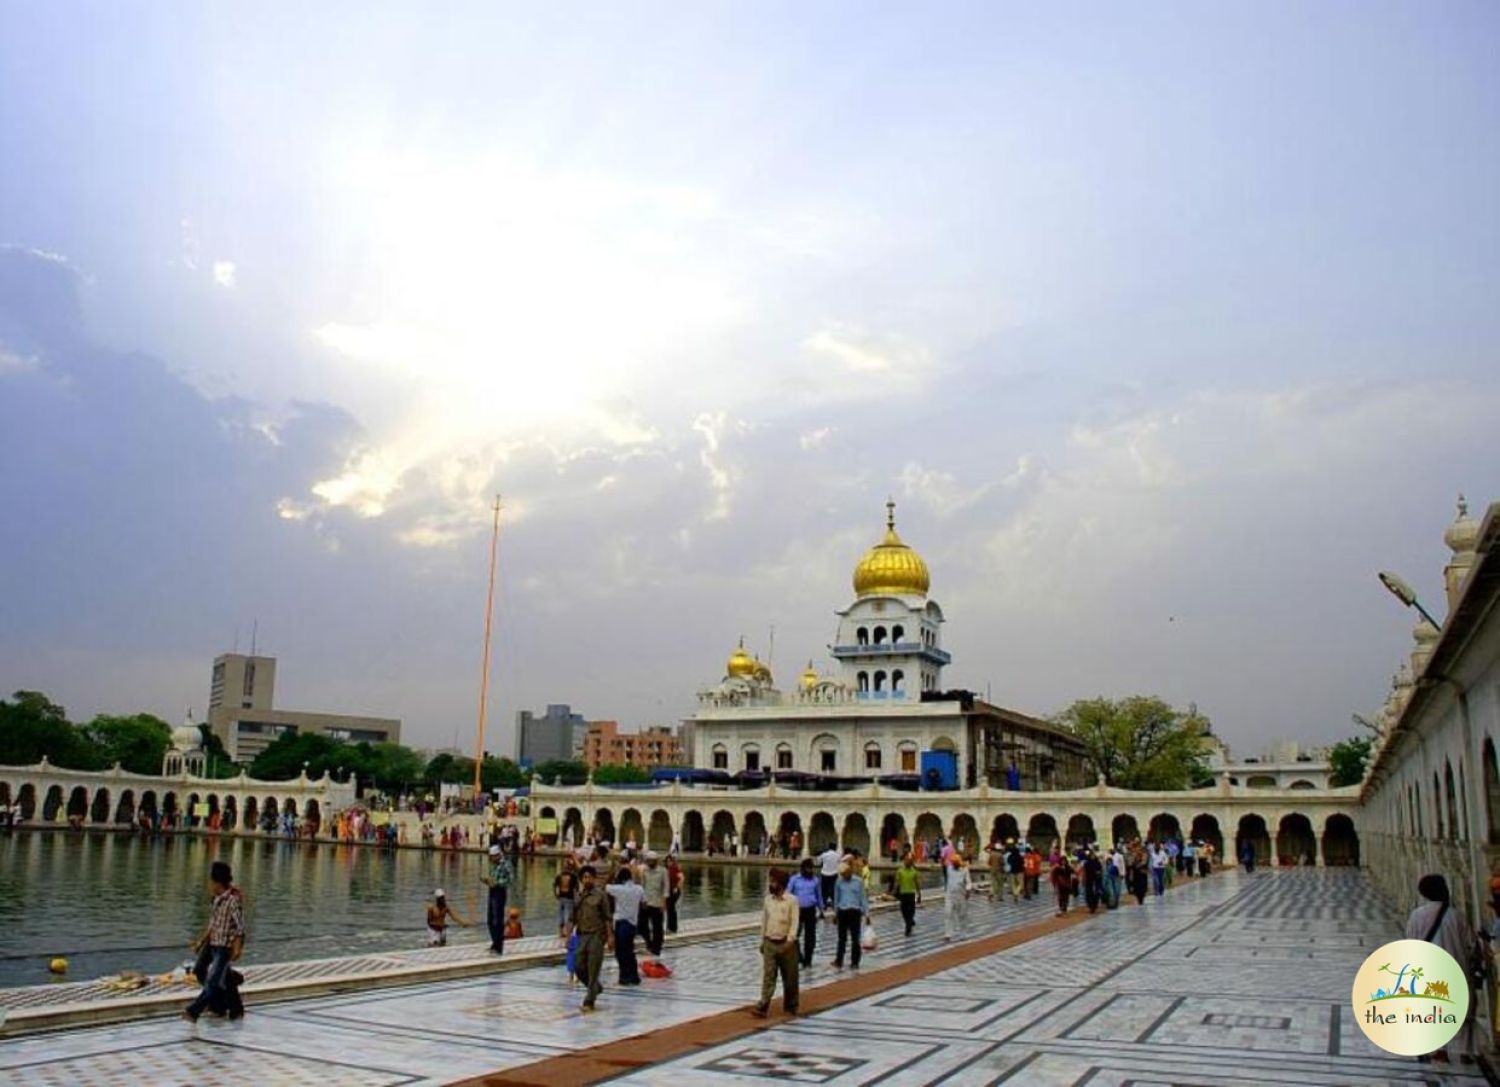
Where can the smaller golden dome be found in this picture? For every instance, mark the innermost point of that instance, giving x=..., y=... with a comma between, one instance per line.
x=762, y=671
x=810, y=677
x=741, y=664
x=891, y=568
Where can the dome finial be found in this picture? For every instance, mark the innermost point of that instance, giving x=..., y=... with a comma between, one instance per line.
x=1463, y=505
x=890, y=513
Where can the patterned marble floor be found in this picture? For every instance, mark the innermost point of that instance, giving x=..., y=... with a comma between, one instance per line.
x=1234, y=980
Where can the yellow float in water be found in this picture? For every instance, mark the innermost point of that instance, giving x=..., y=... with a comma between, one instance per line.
x=58, y=966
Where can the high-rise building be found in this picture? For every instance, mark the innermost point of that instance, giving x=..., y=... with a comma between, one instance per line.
x=241, y=711
x=556, y=734
x=605, y=745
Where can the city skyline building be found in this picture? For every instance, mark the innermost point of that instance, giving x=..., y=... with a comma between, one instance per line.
x=605, y=745
x=556, y=734
x=242, y=713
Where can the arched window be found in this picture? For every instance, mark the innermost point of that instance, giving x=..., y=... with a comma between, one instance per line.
x=1463, y=804
x=862, y=635
x=864, y=682
x=880, y=635
x=721, y=757
x=1452, y=801
x=897, y=633
x=897, y=678
x=880, y=681
x=872, y=756
x=825, y=750
x=783, y=756
x=751, y=754
x=907, y=750
x=1416, y=793
x=1437, y=806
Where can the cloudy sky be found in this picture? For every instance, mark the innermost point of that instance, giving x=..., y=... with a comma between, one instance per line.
x=1166, y=326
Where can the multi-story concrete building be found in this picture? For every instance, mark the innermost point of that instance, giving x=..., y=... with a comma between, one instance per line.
x=605, y=745
x=556, y=734
x=242, y=713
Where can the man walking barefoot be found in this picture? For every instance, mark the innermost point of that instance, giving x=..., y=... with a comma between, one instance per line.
x=222, y=939
x=908, y=891
x=805, y=888
x=778, y=947
x=591, y=920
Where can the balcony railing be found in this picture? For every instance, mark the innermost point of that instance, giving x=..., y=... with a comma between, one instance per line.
x=894, y=649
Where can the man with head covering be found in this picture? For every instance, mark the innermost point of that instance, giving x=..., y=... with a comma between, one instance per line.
x=498, y=880
x=778, y=946
x=591, y=921
x=438, y=913
x=807, y=889
x=1437, y=921
x=654, y=890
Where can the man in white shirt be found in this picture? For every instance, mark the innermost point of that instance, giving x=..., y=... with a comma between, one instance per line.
x=828, y=873
x=627, y=895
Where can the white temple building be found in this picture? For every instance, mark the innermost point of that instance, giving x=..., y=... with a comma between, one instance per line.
x=885, y=705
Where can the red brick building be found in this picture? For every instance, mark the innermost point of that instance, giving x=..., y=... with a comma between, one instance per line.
x=605, y=745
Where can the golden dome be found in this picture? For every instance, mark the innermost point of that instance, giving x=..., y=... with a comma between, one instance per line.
x=810, y=677
x=741, y=664
x=762, y=672
x=890, y=568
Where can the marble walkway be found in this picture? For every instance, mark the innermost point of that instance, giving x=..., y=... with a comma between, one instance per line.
x=1234, y=980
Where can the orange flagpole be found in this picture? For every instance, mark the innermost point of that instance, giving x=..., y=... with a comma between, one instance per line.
x=484, y=675
x=484, y=683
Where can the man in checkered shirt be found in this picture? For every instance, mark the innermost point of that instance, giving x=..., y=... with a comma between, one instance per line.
x=226, y=925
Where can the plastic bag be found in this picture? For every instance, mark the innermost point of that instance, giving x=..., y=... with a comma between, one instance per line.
x=655, y=968
x=572, y=962
x=867, y=939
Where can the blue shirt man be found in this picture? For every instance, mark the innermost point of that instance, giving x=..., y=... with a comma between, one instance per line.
x=807, y=889
x=852, y=905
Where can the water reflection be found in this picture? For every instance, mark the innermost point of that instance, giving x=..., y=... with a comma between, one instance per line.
x=108, y=902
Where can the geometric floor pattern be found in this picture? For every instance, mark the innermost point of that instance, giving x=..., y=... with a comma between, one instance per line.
x=1233, y=980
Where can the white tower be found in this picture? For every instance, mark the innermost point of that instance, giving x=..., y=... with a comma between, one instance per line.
x=890, y=639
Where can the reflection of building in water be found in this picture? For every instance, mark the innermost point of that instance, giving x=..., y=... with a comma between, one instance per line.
x=241, y=713
x=884, y=705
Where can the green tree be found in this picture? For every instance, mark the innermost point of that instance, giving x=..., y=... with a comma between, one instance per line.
x=1140, y=742
x=1349, y=758
x=220, y=765
x=567, y=771
x=621, y=775
x=33, y=727
x=450, y=769
x=501, y=774
x=137, y=743
x=396, y=767
x=284, y=757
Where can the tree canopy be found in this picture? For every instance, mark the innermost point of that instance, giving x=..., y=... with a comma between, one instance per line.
x=33, y=727
x=1141, y=742
x=621, y=775
x=1349, y=759
x=137, y=743
x=562, y=771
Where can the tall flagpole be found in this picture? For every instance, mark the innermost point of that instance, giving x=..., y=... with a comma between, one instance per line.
x=484, y=675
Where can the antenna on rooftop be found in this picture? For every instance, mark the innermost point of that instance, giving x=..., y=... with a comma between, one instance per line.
x=771, y=651
x=236, y=637
x=254, y=632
